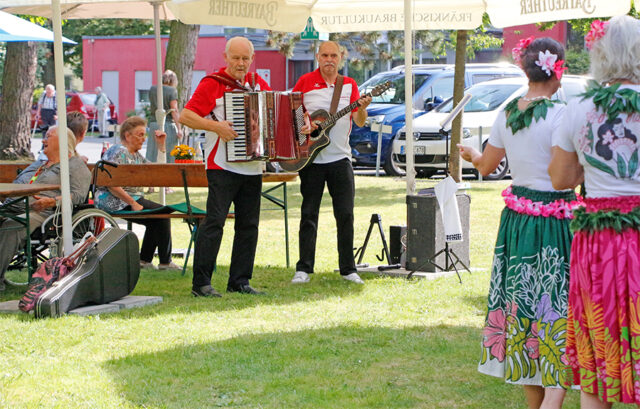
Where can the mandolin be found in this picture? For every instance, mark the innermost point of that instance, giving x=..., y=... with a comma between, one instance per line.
x=319, y=138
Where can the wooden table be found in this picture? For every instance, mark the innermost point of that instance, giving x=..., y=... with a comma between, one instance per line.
x=21, y=192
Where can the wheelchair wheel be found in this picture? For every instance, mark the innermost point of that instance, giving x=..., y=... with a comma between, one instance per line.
x=87, y=220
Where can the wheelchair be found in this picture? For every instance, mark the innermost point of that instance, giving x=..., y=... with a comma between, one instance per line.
x=47, y=242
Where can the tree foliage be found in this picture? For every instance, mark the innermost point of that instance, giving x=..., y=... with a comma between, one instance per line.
x=76, y=29
x=374, y=46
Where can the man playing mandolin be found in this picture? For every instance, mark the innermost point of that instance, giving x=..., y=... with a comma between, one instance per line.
x=332, y=165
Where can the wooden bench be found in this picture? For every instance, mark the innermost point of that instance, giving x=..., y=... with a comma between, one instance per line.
x=172, y=175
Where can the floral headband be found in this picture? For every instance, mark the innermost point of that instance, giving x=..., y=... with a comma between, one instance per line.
x=598, y=29
x=516, y=52
x=548, y=62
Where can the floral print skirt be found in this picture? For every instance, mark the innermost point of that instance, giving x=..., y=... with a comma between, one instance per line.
x=603, y=340
x=525, y=329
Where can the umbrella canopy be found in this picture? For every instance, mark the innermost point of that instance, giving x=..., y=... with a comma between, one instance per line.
x=14, y=28
x=73, y=9
x=505, y=13
x=331, y=16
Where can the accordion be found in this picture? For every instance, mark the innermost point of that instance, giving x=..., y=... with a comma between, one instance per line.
x=268, y=124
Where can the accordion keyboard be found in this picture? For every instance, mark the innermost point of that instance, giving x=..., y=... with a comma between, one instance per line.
x=235, y=112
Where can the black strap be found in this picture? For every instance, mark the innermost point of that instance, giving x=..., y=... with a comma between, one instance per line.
x=337, y=90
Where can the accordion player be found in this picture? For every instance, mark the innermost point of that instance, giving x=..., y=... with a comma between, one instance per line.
x=268, y=124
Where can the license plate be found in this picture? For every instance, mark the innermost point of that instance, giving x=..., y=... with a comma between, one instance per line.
x=418, y=150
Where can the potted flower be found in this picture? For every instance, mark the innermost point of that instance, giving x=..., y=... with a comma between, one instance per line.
x=183, y=154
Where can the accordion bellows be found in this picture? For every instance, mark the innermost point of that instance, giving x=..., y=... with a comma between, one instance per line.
x=268, y=124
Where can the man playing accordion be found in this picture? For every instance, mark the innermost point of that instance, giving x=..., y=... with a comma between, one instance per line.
x=239, y=183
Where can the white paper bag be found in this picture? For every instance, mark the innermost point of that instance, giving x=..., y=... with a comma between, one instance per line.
x=446, y=196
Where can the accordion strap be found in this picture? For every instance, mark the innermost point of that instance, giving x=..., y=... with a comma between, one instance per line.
x=228, y=82
x=337, y=90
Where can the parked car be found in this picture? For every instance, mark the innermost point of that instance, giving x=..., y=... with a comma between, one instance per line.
x=84, y=102
x=433, y=83
x=488, y=99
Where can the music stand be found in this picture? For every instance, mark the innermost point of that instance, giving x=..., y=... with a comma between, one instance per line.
x=450, y=257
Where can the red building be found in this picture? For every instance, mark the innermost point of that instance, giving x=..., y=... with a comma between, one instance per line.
x=512, y=35
x=124, y=66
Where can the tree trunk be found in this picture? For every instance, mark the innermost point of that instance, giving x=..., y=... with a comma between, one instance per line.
x=49, y=69
x=18, y=80
x=181, y=55
x=458, y=93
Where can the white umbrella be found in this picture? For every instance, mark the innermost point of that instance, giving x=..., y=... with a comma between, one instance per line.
x=56, y=10
x=14, y=28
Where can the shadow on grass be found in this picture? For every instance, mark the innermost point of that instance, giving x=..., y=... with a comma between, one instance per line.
x=175, y=290
x=340, y=367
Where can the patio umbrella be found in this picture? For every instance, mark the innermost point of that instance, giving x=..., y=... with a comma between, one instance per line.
x=364, y=15
x=58, y=9
x=14, y=28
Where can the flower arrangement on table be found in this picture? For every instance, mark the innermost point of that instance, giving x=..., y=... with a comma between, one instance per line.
x=183, y=154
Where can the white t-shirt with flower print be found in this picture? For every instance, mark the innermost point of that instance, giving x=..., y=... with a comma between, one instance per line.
x=607, y=149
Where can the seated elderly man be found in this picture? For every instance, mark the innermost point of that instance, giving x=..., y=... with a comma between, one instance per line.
x=41, y=206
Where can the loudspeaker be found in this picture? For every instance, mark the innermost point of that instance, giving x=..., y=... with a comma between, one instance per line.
x=425, y=232
x=396, y=249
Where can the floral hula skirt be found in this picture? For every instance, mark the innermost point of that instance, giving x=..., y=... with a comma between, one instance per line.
x=603, y=339
x=525, y=329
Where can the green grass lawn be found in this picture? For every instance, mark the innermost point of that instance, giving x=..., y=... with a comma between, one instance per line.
x=391, y=343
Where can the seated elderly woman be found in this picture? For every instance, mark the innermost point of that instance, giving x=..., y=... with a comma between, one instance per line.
x=158, y=231
x=46, y=171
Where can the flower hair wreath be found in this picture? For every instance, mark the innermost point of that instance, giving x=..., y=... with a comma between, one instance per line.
x=516, y=52
x=549, y=62
x=597, y=31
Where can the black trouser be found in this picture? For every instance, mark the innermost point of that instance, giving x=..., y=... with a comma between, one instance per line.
x=157, y=234
x=48, y=119
x=339, y=179
x=244, y=191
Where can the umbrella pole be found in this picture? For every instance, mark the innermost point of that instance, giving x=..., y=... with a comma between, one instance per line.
x=408, y=94
x=160, y=113
x=62, y=127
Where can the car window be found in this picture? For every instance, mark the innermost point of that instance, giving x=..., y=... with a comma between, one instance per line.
x=476, y=78
x=88, y=99
x=395, y=94
x=440, y=90
x=484, y=97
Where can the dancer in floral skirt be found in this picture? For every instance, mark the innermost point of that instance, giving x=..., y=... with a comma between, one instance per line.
x=599, y=139
x=524, y=334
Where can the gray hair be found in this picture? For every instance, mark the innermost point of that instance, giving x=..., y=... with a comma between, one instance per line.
x=169, y=78
x=238, y=38
x=616, y=56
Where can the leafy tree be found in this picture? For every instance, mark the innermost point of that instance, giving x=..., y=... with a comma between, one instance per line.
x=181, y=55
x=75, y=29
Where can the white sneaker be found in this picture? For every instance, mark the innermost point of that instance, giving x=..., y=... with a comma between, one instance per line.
x=300, y=277
x=147, y=264
x=170, y=266
x=354, y=278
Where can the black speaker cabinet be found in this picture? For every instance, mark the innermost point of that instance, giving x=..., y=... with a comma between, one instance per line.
x=395, y=243
x=425, y=232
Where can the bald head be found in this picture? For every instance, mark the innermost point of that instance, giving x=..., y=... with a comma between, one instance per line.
x=238, y=42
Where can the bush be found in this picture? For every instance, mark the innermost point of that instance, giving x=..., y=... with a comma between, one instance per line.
x=578, y=61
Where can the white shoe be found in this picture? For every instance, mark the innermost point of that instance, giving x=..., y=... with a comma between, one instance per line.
x=300, y=277
x=170, y=266
x=147, y=264
x=354, y=278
